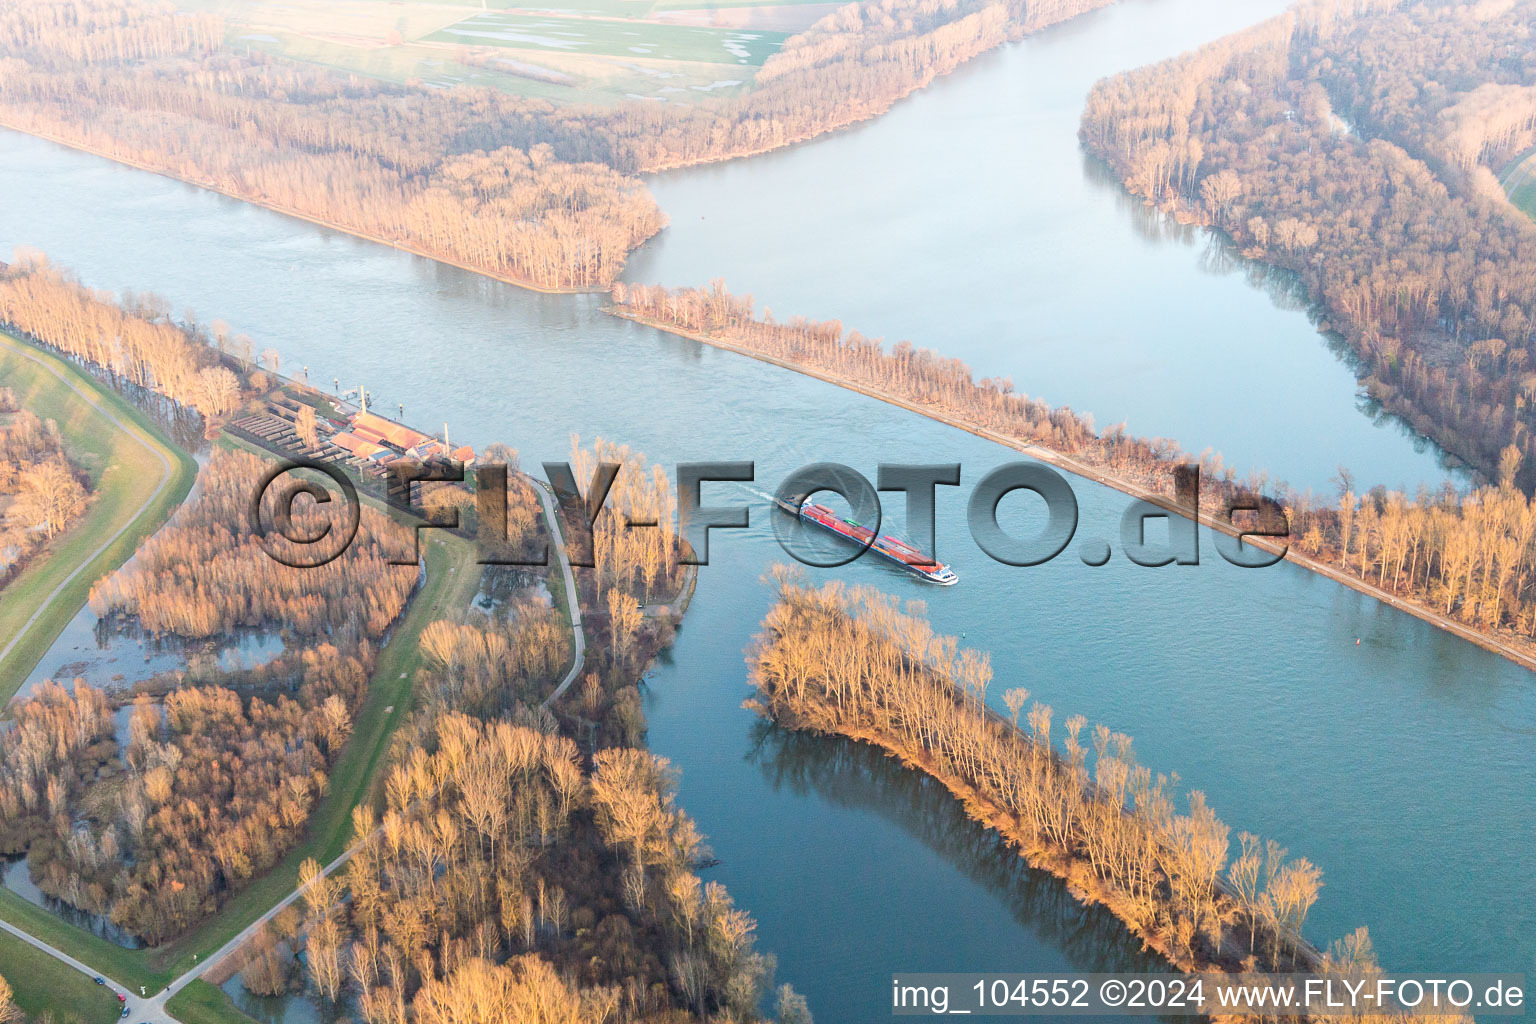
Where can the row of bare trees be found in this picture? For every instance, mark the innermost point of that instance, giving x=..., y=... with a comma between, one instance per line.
x=502, y=853
x=919, y=376
x=1471, y=555
x=137, y=343
x=852, y=662
x=41, y=491
x=207, y=573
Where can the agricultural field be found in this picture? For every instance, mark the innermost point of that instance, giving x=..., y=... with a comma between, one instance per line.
x=1519, y=181
x=567, y=51
x=615, y=37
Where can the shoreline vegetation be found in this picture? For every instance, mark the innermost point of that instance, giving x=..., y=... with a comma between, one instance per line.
x=521, y=190
x=1477, y=550
x=297, y=214
x=1355, y=144
x=851, y=662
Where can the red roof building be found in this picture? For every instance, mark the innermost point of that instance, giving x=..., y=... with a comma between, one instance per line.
x=387, y=431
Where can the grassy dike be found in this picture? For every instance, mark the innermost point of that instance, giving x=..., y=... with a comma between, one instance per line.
x=42, y=983
x=451, y=583
x=137, y=478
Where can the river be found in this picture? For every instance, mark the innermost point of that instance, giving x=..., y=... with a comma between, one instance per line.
x=1403, y=765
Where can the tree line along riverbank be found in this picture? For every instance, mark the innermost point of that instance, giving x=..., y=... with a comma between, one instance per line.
x=520, y=189
x=1465, y=563
x=1355, y=144
x=849, y=662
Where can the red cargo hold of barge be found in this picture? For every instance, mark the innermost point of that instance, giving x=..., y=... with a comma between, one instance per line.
x=898, y=551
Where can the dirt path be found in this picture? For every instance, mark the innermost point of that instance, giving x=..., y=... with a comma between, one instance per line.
x=572, y=599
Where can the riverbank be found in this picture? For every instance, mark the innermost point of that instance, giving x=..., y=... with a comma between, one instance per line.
x=1515, y=649
x=849, y=663
x=835, y=117
x=1075, y=872
x=287, y=211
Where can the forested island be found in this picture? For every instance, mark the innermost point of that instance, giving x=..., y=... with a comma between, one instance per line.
x=851, y=662
x=1354, y=144
x=518, y=188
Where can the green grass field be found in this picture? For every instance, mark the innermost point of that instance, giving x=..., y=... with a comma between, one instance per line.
x=1519, y=181
x=616, y=38
x=202, y=1003
x=125, y=469
x=408, y=63
x=410, y=42
x=129, y=966
x=42, y=983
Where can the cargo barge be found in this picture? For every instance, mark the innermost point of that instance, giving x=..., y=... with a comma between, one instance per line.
x=890, y=548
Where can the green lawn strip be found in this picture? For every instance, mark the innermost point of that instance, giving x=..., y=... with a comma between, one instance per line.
x=717, y=5
x=1521, y=172
x=123, y=474
x=444, y=594
x=42, y=983
x=616, y=37
x=1524, y=197
x=202, y=1003
x=128, y=966
x=406, y=63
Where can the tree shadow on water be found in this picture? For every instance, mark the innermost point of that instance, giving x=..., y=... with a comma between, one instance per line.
x=859, y=776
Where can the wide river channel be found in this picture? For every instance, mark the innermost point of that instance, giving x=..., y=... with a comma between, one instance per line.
x=966, y=219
